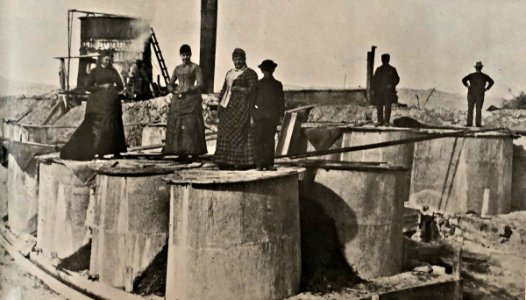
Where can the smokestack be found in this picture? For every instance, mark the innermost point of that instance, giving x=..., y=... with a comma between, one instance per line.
x=370, y=70
x=207, y=56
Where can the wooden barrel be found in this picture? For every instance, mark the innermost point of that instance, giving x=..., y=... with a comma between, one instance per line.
x=23, y=182
x=518, y=188
x=130, y=226
x=63, y=200
x=234, y=235
x=365, y=203
x=465, y=174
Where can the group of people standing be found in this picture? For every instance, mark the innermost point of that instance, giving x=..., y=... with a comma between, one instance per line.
x=249, y=112
x=385, y=80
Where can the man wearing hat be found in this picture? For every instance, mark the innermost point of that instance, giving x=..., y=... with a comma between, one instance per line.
x=269, y=106
x=383, y=85
x=477, y=83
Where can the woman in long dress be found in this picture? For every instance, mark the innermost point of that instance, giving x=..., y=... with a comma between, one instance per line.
x=102, y=131
x=235, y=139
x=185, y=131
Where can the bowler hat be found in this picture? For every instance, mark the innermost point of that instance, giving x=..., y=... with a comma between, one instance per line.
x=267, y=64
x=479, y=64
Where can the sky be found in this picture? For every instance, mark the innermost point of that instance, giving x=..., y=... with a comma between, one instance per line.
x=316, y=43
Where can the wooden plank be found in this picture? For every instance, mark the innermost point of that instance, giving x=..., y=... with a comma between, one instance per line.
x=48, y=279
x=98, y=289
x=69, y=284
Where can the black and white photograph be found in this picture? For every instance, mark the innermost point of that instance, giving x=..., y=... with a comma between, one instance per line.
x=262, y=149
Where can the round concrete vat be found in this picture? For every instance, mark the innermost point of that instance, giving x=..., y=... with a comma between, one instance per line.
x=400, y=155
x=472, y=173
x=63, y=199
x=518, y=188
x=364, y=204
x=130, y=219
x=23, y=185
x=234, y=235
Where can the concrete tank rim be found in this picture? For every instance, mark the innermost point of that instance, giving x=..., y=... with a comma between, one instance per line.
x=215, y=176
x=134, y=168
x=110, y=16
x=54, y=146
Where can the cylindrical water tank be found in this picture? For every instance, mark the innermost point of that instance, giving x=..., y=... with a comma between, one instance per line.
x=472, y=173
x=23, y=182
x=234, y=235
x=518, y=188
x=130, y=224
x=366, y=203
x=63, y=198
x=401, y=155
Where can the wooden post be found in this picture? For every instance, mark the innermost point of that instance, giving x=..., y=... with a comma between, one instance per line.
x=207, y=57
x=370, y=70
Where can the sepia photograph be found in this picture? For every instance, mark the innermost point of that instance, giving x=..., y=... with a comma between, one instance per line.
x=262, y=149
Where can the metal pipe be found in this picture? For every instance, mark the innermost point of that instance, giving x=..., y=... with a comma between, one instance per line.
x=385, y=144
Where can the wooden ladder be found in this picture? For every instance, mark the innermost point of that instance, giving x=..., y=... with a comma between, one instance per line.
x=160, y=59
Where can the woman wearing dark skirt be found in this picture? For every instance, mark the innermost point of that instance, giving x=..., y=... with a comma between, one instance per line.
x=235, y=140
x=102, y=131
x=185, y=131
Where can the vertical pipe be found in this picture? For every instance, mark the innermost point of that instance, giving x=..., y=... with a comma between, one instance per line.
x=370, y=69
x=208, y=43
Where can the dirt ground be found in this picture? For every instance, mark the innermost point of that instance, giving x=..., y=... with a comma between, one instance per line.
x=16, y=284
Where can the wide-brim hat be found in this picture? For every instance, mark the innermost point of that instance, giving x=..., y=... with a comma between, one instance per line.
x=268, y=64
x=478, y=64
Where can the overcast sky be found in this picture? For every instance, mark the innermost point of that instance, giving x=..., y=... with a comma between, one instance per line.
x=316, y=43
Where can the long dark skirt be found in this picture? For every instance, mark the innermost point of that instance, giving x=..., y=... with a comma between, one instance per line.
x=98, y=134
x=185, y=131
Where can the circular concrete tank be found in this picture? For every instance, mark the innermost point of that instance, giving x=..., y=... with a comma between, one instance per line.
x=518, y=188
x=472, y=173
x=63, y=198
x=234, y=235
x=23, y=182
x=365, y=203
x=130, y=219
x=400, y=155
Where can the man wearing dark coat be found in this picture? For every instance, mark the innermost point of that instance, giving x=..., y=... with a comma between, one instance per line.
x=477, y=83
x=269, y=107
x=383, y=85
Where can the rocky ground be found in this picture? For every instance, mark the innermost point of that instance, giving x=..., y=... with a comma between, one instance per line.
x=16, y=284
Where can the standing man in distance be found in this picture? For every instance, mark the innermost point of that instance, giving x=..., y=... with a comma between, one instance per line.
x=477, y=83
x=383, y=85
